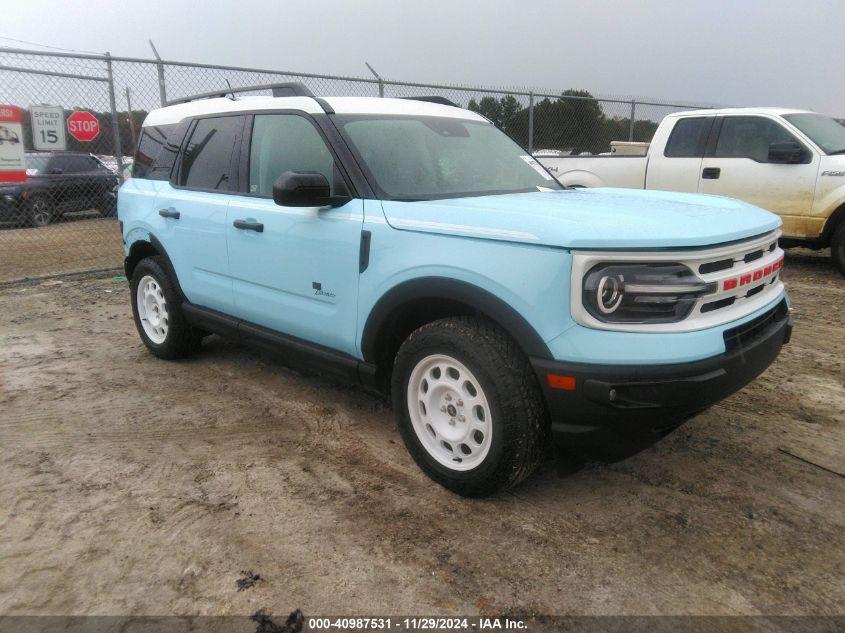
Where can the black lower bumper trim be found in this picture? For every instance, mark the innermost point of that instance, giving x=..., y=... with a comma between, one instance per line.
x=633, y=400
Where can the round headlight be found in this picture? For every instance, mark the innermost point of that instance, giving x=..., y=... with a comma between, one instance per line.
x=609, y=293
x=641, y=292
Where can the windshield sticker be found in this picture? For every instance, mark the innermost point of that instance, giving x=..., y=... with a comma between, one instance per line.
x=536, y=166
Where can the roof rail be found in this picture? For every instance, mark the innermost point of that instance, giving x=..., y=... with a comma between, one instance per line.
x=289, y=89
x=433, y=99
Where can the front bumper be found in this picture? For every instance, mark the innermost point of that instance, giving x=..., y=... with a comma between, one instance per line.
x=626, y=402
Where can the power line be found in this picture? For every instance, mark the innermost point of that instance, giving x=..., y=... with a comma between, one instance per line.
x=55, y=48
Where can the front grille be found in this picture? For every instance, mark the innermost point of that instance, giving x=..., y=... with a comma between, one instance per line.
x=736, y=278
x=747, y=333
x=742, y=257
x=714, y=267
x=738, y=273
x=718, y=305
x=750, y=257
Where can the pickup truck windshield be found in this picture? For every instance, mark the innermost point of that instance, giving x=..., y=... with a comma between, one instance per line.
x=426, y=158
x=825, y=132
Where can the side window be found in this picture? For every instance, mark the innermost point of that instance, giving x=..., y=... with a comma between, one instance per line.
x=57, y=162
x=285, y=142
x=206, y=162
x=749, y=137
x=74, y=164
x=77, y=165
x=688, y=138
x=92, y=164
x=150, y=146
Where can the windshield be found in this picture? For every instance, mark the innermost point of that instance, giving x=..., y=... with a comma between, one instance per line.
x=36, y=164
x=825, y=132
x=426, y=158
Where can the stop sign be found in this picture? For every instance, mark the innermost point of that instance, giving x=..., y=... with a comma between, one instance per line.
x=83, y=126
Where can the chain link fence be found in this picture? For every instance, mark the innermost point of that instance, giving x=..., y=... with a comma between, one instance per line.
x=62, y=218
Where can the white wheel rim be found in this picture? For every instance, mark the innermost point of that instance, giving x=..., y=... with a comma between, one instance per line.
x=449, y=412
x=152, y=309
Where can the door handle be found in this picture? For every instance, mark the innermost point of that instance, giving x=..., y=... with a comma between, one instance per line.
x=248, y=226
x=711, y=173
x=169, y=213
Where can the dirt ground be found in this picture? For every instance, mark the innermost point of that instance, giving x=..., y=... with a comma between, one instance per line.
x=130, y=485
x=76, y=241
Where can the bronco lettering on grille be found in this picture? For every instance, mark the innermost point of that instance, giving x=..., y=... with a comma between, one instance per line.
x=757, y=275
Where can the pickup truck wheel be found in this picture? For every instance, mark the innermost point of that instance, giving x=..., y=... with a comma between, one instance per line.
x=468, y=406
x=40, y=211
x=837, y=247
x=158, y=314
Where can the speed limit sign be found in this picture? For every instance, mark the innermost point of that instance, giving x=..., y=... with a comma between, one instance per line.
x=48, y=127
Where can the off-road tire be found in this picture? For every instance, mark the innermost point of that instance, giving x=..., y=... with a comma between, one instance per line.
x=182, y=339
x=837, y=247
x=518, y=414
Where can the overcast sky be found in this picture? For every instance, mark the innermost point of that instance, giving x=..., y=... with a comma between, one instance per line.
x=735, y=52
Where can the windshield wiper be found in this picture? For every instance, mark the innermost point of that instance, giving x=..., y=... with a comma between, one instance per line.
x=839, y=151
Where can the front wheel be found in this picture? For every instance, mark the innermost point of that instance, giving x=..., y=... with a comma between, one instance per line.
x=468, y=406
x=837, y=247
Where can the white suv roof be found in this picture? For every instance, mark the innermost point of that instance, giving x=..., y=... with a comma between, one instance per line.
x=723, y=111
x=341, y=105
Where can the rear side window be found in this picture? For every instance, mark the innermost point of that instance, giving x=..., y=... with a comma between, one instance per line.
x=72, y=164
x=285, y=142
x=207, y=160
x=750, y=137
x=688, y=138
x=150, y=146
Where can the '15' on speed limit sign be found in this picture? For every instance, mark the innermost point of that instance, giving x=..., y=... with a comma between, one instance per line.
x=48, y=127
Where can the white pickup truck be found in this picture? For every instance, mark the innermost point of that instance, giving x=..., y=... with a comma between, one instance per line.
x=790, y=162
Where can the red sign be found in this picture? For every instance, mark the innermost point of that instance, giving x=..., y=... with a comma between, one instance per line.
x=83, y=126
x=12, y=161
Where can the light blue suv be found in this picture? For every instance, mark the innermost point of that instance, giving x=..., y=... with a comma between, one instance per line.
x=411, y=247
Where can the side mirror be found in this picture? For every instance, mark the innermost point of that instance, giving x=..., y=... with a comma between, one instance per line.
x=305, y=189
x=788, y=152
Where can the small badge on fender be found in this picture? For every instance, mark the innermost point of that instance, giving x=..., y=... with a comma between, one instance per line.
x=318, y=290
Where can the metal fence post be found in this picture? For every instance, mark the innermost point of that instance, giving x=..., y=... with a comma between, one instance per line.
x=531, y=122
x=162, y=89
x=380, y=80
x=131, y=119
x=631, y=122
x=118, y=150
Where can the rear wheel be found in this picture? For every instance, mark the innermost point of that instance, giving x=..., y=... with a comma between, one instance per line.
x=40, y=211
x=157, y=309
x=837, y=247
x=468, y=406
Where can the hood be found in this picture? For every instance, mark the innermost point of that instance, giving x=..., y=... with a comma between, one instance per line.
x=588, y=218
